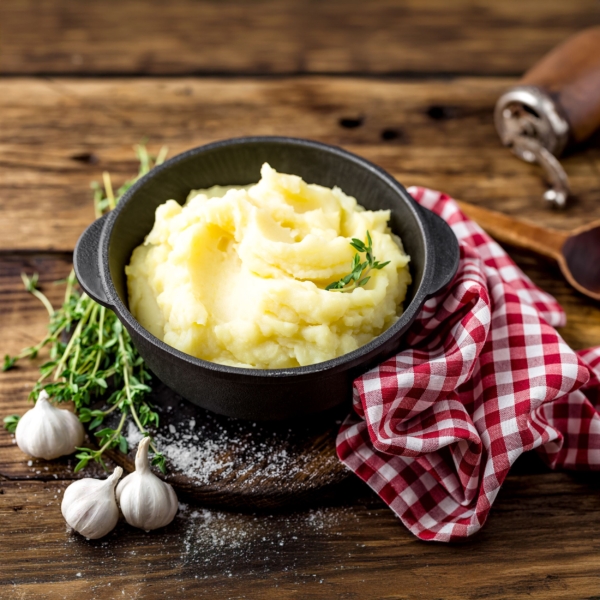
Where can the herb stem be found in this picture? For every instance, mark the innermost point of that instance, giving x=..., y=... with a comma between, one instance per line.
x=100, y=342
x=109, y=190
x=74, y=363
x=30, y=286
x=69, y=288
x=144, y=158
x=111, y=409
x=115, y=435
x=97, y=201
x=126, y=367
x=61, y=363
x=162, y=154
x=34, y=349
x=142, y=428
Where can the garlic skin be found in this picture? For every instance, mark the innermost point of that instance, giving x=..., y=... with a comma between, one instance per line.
x=48, y=432
x=89, y=505
x=146, y=501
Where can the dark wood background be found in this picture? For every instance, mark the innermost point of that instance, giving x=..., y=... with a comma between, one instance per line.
x=410, y=85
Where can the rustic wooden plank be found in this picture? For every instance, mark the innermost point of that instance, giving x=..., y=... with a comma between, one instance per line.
x=56, y=136
x=295, y=36
x=540, y=542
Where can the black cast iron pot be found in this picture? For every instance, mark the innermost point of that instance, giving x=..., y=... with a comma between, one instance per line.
x=106, y=246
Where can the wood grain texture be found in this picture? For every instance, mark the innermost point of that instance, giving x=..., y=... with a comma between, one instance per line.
x=540, y=543
x=58, y=135
x=295, y=36
x=231, y=463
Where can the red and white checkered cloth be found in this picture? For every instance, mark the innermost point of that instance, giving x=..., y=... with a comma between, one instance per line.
x=486, y=378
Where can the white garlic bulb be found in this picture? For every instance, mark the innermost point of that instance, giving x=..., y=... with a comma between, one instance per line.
x=146, y=501
x=48, y=432
x=89, y=505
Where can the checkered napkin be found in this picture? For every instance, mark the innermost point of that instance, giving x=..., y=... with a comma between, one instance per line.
x=486, y=377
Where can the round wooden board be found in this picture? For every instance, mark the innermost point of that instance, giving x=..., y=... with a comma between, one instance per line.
x=234, y=463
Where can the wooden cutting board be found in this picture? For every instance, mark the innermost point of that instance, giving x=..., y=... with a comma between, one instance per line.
x=234, y=463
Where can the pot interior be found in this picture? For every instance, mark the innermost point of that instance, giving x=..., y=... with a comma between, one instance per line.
x=238, y=162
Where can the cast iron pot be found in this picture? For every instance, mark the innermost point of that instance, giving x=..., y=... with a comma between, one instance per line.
x=106, y=246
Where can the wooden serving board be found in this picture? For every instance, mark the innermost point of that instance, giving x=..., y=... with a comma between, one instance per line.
x=234, y=463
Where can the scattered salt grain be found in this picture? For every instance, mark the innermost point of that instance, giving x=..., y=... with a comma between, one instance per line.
x=215, y=450
x=211, y=450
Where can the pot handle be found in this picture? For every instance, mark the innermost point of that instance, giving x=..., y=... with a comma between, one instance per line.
x=86, y=262
x=446, y=252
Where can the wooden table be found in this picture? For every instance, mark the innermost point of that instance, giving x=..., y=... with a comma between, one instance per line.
x=409, y=85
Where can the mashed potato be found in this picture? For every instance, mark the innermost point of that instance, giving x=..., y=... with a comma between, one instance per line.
x=237, y=276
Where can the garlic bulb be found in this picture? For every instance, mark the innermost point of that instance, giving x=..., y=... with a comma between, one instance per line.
x=48, y=432
x=146, y=501
x=89, y=505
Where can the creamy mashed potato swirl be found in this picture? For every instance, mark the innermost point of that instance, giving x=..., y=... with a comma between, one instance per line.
x=237, y=276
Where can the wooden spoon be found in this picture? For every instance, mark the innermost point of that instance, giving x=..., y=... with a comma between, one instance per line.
x=577, y=252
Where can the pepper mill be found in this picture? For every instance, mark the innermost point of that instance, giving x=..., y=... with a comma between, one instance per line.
x=556, y=105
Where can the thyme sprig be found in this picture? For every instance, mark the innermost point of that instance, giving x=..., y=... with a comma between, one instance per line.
x=90, y=351
x=359, y=273
x=10, y=423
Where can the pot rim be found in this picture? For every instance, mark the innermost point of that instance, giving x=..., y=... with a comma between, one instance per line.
x=335, y=365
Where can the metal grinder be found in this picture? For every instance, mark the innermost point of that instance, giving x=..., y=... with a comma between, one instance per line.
x=555, y=106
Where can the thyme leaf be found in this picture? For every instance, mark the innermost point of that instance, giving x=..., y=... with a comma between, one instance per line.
x=359, y=272
x=10, y=423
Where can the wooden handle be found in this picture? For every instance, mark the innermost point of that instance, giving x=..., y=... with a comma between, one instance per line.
x=547, y=242
x=571, y=75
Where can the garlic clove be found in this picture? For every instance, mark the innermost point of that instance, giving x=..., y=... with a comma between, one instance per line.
x=89, y=505
x=48, y=432
x=146, y=500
